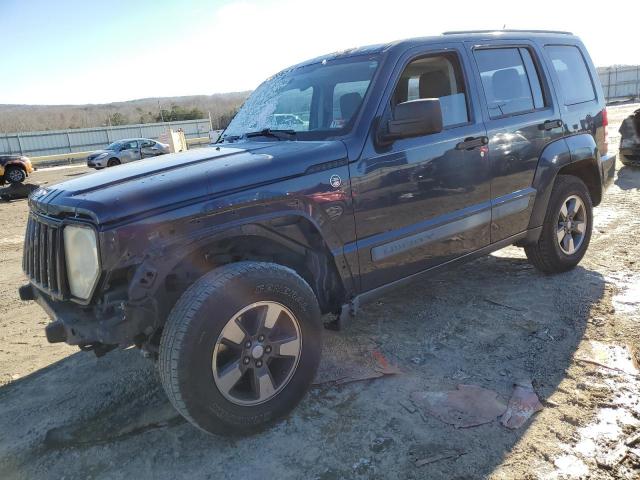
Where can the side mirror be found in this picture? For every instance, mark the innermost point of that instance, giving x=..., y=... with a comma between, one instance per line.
x=413, y=119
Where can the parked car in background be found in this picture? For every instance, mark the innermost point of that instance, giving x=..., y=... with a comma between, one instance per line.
x=125, y=151
x=14, y=168
x=417, y=155
x=630, y=140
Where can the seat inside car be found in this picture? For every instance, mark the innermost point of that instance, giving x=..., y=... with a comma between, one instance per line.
x=349, y=103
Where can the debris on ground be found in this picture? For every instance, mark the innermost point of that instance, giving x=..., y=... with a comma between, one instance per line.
x=439, y=456
x=431, y=453
x=467, y=406
x=522, y=405
x=351, y=361
x=611, y=459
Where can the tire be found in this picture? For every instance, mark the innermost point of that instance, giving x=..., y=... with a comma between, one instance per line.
x=551, y=254
x=113, y=162
x=15, y=175
x=195, y=356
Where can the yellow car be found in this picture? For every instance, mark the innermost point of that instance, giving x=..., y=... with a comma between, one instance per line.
x=14, y=168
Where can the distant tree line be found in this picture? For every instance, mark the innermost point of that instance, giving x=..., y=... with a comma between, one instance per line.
x=22, y=118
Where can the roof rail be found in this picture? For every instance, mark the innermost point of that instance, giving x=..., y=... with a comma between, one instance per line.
x=454, y=32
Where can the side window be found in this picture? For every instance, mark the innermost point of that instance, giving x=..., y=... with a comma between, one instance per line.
x=437, y=76
x=347, y=98
x=510, y=81
x=572, y=72
x=147, y=143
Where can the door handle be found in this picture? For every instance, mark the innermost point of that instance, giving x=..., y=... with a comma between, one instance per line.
x=551, y=124
x=470, y=143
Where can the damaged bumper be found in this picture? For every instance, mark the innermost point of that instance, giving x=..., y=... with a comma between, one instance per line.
x=90, y=328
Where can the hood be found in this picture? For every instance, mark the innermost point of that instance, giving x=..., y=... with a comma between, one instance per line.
x=157, y=184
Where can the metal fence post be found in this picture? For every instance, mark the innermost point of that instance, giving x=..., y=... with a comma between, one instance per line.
x=69, y=142
x=19, y=144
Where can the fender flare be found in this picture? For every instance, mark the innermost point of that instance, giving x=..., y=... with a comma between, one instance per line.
x=284, y=228
x=564, y=154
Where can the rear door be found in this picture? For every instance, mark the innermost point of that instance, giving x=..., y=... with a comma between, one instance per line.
x=422, y=201
x=522, y=118
x=148, y=148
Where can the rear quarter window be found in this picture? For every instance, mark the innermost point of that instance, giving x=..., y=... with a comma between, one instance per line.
x=572, y=72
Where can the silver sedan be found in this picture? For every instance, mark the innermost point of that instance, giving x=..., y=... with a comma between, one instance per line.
x=124, y=151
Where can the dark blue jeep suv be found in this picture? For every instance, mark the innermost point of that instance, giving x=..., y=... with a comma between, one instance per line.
x=339, y=178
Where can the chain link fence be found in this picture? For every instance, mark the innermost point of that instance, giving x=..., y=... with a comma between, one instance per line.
x=620, y=82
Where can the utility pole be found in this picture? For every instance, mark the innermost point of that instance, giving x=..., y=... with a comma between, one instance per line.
x=161, y=115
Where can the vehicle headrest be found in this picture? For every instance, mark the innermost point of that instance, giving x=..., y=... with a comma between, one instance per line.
x=506, y=84
x=349, y=103
x=434, y=85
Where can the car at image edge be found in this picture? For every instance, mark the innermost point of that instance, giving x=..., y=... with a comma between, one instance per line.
x=14, y=169
x=417, y=155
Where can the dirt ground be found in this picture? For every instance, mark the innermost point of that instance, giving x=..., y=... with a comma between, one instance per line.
x=492, y=322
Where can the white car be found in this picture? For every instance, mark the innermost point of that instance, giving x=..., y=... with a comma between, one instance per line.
x=124, y=151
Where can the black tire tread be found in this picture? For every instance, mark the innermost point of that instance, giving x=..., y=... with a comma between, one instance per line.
x=541, y=254
x=189, y=303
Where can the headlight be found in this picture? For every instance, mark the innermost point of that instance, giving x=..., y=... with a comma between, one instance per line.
x=81, y=257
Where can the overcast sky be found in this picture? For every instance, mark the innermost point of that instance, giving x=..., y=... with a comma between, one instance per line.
x=76, y=51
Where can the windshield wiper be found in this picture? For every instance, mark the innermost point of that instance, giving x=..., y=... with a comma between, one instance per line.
x=280, y=134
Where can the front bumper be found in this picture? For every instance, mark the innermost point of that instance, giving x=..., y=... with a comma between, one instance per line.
x=95, y=163
x=84, y=326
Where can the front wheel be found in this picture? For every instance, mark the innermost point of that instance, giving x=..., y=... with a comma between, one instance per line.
x=241, y=347
x=567, y=227
x=15, y=175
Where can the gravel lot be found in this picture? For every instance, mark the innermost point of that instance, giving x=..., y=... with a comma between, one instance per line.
x=492, y=322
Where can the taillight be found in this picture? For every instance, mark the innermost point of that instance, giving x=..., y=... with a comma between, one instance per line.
x=605, y=128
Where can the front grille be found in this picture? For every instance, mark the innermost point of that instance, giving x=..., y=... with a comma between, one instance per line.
x=43, y=256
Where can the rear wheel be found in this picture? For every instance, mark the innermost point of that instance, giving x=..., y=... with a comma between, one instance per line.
x=113, y=162
x=15, y=175
x=241, y=347
x=567, y=226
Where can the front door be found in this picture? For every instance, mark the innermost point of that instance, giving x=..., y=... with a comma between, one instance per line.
x=130, y=151
x=422, y=201
x=521, y=119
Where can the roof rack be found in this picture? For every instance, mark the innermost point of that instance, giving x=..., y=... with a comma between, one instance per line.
x=454, y=32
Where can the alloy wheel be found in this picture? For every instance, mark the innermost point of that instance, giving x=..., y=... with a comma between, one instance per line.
x=15, y=175
x=257, y=353
x=572, y=225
